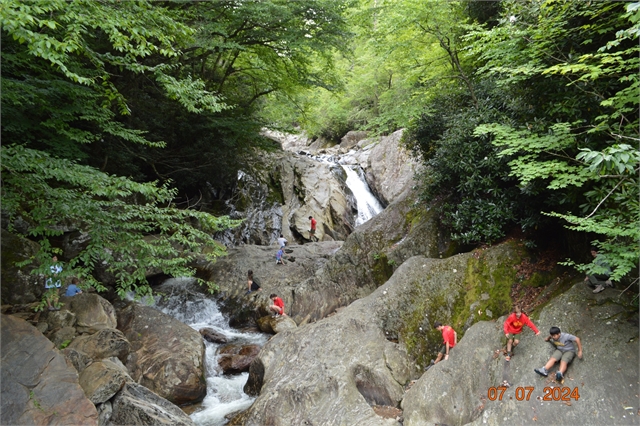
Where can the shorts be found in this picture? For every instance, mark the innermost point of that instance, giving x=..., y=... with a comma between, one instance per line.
x=312, y=231
x=511, y=336
x=567, y=356
x=443, y=349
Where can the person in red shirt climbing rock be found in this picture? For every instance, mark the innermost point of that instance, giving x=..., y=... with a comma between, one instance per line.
x=450, y=338
x=312, y=231
x=513, y=326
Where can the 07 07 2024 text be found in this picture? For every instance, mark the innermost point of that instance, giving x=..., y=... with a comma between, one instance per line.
x=524, y=393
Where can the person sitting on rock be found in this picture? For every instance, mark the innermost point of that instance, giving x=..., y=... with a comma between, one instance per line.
x=252, y=283
x=282, y=241
x=513, y=326
x=450, y=338
x=73, y=288
x=278, y=305
x=280, y=257
x=599, y=281
x=565, y=352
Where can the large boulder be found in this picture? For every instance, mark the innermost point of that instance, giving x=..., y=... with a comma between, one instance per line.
x=93, y=313
x=329, y=372
x=334, y=371
x=606, y=379
x=167, y=356
x=351, y=139
x=279, y=191
x=137, y=405
x=235, y=359
x=102, y=380
x=38, y=385
x=390, y=169
x=106, y=343
x=275, y=325
x=18, y=285
x=230, y=274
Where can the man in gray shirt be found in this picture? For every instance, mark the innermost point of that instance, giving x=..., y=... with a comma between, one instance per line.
x=565, y=352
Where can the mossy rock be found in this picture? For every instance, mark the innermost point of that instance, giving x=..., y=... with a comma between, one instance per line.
x=459, y=291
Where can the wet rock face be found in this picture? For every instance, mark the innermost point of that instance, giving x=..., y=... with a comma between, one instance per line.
x=210, y=335
x=38, y=385
x=166, y=354
x=235, y=359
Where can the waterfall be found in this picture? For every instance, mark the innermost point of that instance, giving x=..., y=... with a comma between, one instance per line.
x=368, y=204
x=225, y=394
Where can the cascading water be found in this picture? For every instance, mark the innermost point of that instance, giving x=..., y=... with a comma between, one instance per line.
x=368, y=204
x=224, y=393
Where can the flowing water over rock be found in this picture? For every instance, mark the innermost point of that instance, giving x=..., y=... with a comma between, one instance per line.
x=224, y=392
x=368, y=204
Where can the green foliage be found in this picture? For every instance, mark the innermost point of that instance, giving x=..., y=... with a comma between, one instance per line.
x=132, y=227
x=476, y=197
x=86, y=41
x=590, y=52
x=36, y=403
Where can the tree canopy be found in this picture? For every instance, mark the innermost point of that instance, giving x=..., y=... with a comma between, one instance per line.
x=113, y=112
x=525, y=113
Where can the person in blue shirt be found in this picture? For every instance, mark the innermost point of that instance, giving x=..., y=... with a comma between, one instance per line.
x=280, y=257
x=73, y=288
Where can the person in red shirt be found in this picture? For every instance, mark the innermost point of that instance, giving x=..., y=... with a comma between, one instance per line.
x=278, y=305
x=450, y=338
x=312, y=231
x=513, y=326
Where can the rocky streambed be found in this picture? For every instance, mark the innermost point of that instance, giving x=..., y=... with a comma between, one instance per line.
x=354, y=350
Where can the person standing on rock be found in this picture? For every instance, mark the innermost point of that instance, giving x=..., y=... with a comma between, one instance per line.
x=312, y=231
x=565, y=352
x=278, y=305
x=513, y=326
x=599, y=281
x=450, y=338
x=282, y=241
x=252, y=283
x=52, y=284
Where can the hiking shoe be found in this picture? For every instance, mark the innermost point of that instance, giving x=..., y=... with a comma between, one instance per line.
x=559, y=376
x=541, y=371
x=608, y=283
x=599, y=288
